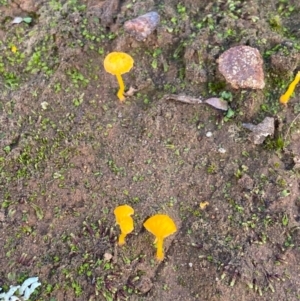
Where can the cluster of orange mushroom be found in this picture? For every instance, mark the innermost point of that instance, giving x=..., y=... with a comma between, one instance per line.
x=118, y=63
x=160, y=225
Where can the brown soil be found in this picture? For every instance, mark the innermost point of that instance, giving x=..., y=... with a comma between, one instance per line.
x=70, y=152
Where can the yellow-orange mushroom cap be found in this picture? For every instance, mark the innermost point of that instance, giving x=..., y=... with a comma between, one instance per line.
x=118, y=63
x=161, y=226
x=124, y=220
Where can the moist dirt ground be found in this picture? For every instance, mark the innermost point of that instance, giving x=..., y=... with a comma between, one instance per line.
x=70, y=152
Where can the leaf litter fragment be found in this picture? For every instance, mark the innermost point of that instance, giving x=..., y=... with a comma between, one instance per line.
x=28, y=282
x=18, y=20
x=38, y=211
x=25, y=290
x=44, y=105
x=131, y=91
x=215, y=102
x=183, y=98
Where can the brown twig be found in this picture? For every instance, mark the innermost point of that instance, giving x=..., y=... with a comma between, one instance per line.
x=183, y=98
x=289, y=128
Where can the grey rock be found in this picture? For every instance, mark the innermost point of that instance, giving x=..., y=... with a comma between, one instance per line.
x=261, y=130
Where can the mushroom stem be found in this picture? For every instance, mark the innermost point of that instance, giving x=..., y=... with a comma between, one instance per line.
x=122, y=87
x=160, y=251
x=286, y=96
x=122, y=239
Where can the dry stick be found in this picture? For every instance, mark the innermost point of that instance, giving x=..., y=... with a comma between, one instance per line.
x=287, y=132
x=183, y=98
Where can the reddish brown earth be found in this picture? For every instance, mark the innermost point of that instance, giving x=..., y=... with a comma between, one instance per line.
x=70, y=152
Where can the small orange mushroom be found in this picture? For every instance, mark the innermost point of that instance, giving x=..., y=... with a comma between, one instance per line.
x=118, y=63
x=286, y=96
x=124, y=220
x=161, y=226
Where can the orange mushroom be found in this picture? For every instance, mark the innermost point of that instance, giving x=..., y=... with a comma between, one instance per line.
x=286, y=96
x=161, y=226
x=124, y=220
x=118, y=63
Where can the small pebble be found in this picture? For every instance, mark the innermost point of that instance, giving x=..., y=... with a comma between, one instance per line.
x=44, y=105
x=142, y=26
x=208, y=134
x=190, y=264
x=107, y=256
x=222, y=150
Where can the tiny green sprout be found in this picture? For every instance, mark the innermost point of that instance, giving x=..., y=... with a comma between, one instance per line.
x=232, y=282
x=245, y=154
x=271, y=287
x=78, y=101
x=27, y=20
x=285, y=193
x=212, y=169
x=77, y=288
x=276, y=144
x=285, y=220
x=226, y=95
x=38, y=211
x=181, y=9
x=275, y=23
x=7, y=149
x=230, y=113
x=210, y=258
x=238, y=173
x=49, y=288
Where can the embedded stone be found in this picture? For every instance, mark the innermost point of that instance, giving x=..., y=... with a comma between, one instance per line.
x=242, y=67
x=261, y=131
x=142, y=26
